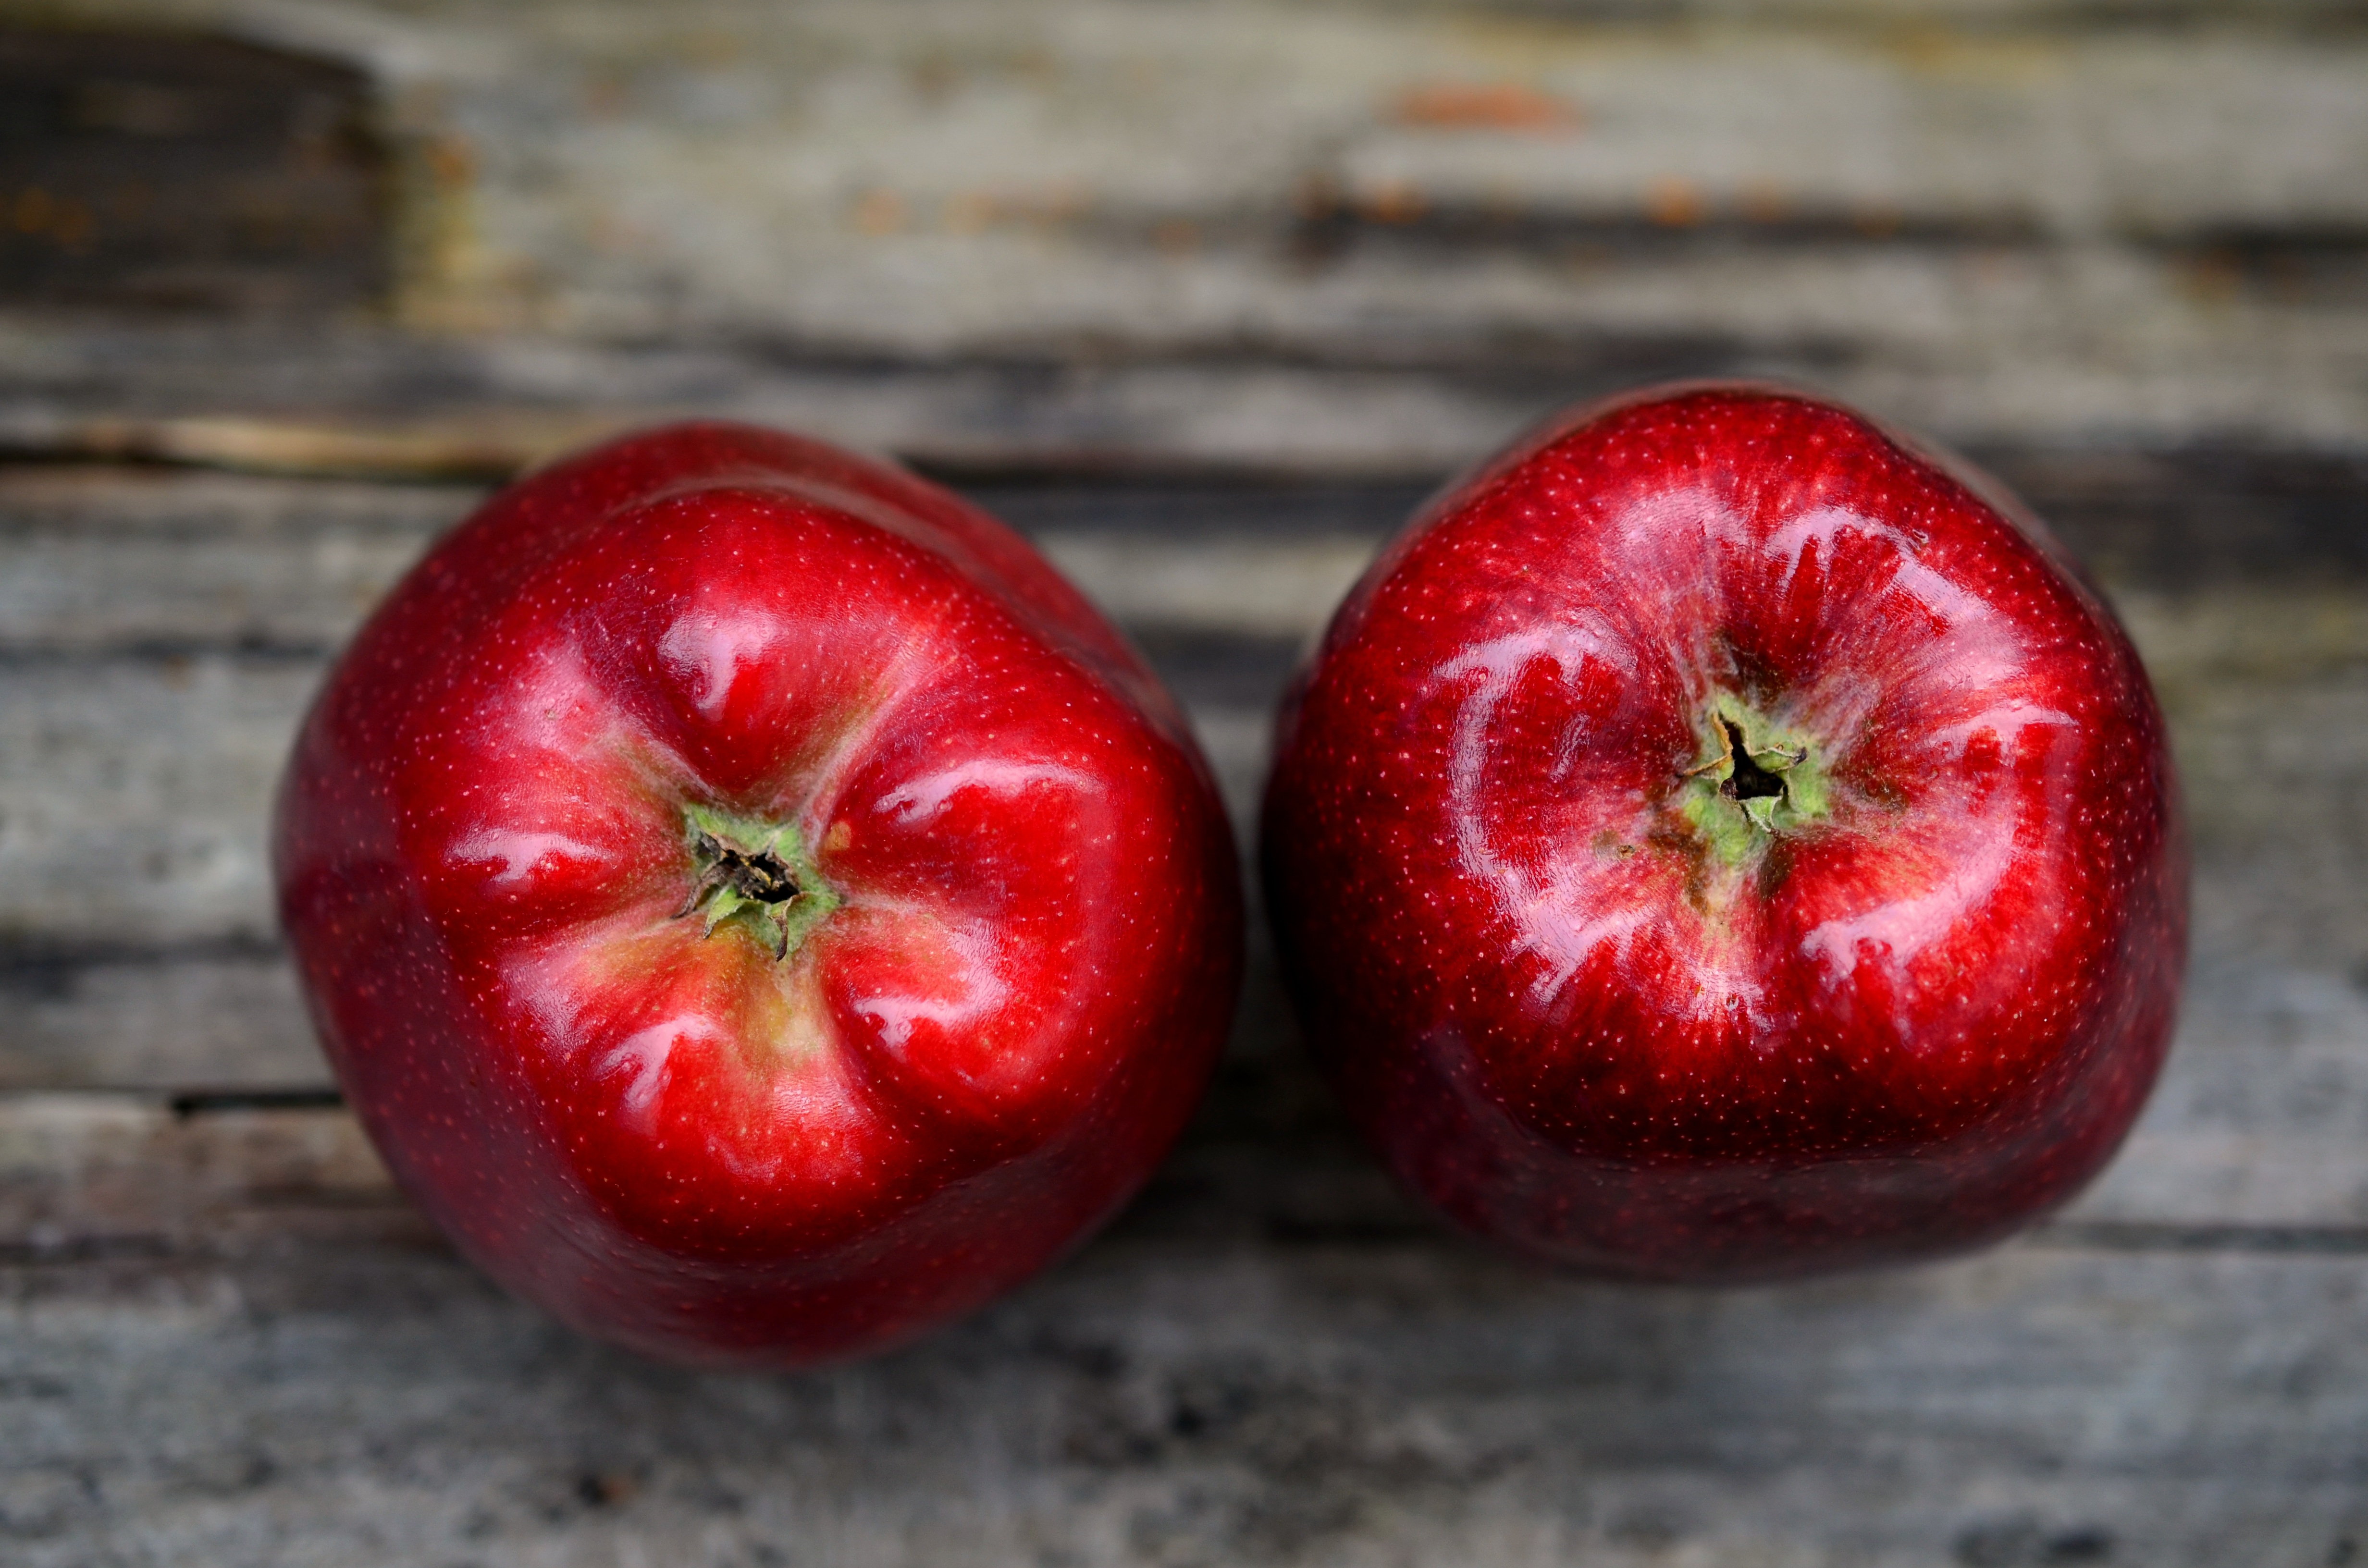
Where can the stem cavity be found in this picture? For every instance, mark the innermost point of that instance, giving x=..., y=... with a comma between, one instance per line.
x=757, y=873
x=1746, y=794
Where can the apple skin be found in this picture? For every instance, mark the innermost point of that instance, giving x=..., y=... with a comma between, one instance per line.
x=1011, y=956
x=1621, y=1007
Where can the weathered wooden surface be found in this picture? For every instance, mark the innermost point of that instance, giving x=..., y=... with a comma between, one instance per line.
x=1996, y=218
x=1204, y=296
x=227, y=1337
x=156, y=170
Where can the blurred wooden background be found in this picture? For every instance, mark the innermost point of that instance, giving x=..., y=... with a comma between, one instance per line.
x=1204, y=297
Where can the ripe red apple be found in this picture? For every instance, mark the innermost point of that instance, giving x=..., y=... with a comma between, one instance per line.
x=1723, y=840
x=755, y=905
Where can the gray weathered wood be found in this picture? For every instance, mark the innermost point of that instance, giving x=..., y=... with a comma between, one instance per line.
x=956, y=175
x=94, y=1173
x=134, y=794
x=1164, y=1401
x=97, y=562
x=110, y=390
x=212, y=1016
x=1400, y=228
x=350, y=399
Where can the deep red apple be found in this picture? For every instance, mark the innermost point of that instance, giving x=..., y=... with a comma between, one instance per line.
x=757, y=907
x=1724, y=840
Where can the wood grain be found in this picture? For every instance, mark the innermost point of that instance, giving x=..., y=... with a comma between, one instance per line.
x=1401, y=229
x=1204, y=296
x=1163, y=1402
x=141, y=168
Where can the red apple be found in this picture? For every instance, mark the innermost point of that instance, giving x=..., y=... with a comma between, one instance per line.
x=1723, y=840
x=755, y=905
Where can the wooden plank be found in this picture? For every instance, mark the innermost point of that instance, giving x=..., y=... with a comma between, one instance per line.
x=133, y=796
x=143, y=169
x=199, y=1016
x=1157, y=1402
x=1991, y=230
x=363, y=400
x=101, y=561
x=370, y=402
x=87, y=1175
x=743, y=128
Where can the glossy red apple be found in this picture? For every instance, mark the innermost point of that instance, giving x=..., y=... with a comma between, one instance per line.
x=757, y=907
x=1722, y=840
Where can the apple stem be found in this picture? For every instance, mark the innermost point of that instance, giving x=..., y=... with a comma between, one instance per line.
x=1774, y=788
x=757, y=873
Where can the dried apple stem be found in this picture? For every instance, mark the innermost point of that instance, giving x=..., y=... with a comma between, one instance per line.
x=1764, y=780
x=755, y=874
